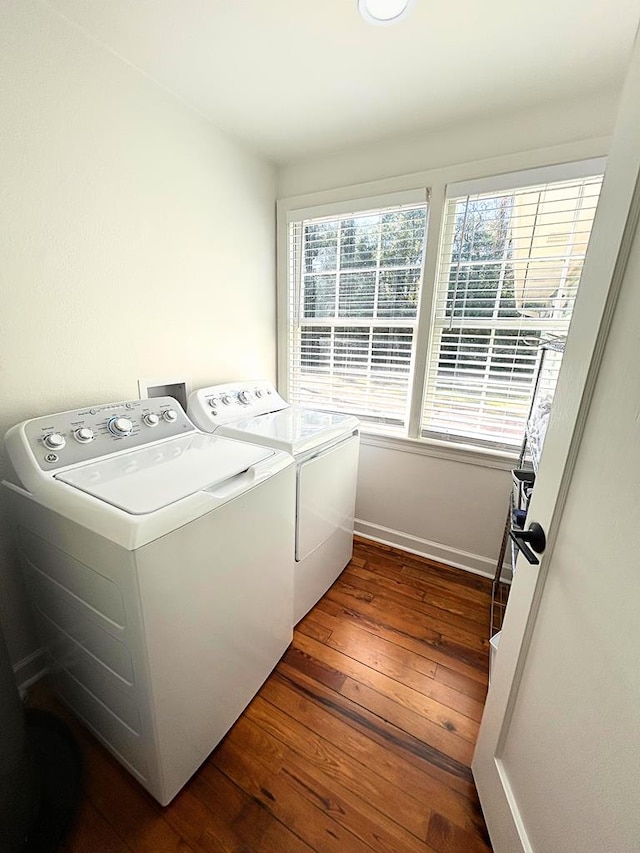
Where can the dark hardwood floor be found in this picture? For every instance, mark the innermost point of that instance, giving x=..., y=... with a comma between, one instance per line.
x=360, y=740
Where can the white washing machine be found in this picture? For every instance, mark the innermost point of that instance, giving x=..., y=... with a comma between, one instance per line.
x=325, y=446
x=159, y=563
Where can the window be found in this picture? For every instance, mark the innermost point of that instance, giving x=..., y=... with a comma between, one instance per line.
x=508, y=277
x=354, y=285
x=360, y=309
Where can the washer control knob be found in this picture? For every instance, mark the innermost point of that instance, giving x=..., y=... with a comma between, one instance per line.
x=54, y=441
x=120, y=426
x=84, y=435
x=213, y=402
x=151, y=420
x=259, y=392
x=244, y=397
x=225, y=399
x=170, y=416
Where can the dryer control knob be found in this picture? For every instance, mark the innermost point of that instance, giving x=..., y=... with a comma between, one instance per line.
x=151, y=420
x=84, y=435
x=120, y=426
x=244, y=397
x=170, y=416
x=54, y=441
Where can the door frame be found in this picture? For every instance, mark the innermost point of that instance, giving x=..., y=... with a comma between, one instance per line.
x=612, y=236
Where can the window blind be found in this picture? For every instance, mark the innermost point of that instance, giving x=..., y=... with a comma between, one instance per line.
x=354, y=282
x=509, y=269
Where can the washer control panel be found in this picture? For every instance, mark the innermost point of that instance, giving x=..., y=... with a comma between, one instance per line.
x=85, y=434
x=223, y=404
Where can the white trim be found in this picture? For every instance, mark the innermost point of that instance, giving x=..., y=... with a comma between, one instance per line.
x=529, y=177
x=419, y=195
x=422, y=333
x=476, y=564
x=466, y=454
x=30, y=669
x=282, y=305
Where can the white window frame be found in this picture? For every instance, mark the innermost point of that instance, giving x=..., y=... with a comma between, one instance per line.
x=408, y=197
x=562, y=162
x=502, y=185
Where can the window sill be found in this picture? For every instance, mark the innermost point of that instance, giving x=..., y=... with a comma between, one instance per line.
x=463, y=453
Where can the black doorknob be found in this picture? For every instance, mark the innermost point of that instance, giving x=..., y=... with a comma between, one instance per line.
x=534, y=536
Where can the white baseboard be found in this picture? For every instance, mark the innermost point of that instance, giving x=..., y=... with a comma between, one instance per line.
x=29, y=670
x=474, y=563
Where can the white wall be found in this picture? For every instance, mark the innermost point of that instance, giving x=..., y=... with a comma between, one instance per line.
x=125, y=221
x=448, y=510
x=562, y=122
x=447, y=507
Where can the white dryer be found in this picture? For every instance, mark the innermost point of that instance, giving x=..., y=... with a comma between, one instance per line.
x=159, y=563
x=325, y=446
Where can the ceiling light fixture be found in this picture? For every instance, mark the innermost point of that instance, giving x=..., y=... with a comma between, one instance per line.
x=383, y=11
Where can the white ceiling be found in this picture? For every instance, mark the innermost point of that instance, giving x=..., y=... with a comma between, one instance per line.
x=294, y=78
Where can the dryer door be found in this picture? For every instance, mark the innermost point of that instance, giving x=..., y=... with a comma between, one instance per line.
x=326, y=495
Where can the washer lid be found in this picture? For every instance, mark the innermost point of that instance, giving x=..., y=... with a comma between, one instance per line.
x=147, y=480
x=293, y=429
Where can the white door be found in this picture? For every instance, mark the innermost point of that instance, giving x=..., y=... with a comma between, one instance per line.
x=557, y=763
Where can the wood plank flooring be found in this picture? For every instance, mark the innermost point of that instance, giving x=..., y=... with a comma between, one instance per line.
x=359, y=741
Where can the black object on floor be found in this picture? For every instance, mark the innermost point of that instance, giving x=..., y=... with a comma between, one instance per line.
x=40, y=772
x=59, y=769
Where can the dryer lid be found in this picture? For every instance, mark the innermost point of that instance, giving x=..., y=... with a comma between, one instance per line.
x=293, y=429
x=144, y=481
